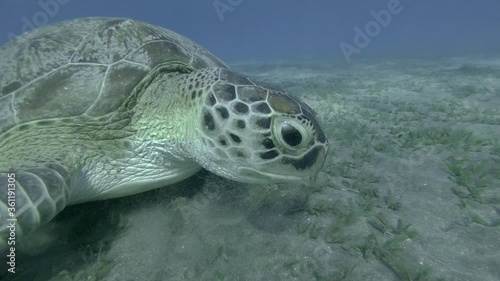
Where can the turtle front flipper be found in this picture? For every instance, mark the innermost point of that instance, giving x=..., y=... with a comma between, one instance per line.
x=30, y=198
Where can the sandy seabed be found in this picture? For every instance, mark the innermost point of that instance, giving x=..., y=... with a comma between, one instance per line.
x=410, y=191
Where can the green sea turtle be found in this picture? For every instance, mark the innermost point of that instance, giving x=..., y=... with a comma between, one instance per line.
x=98, y=108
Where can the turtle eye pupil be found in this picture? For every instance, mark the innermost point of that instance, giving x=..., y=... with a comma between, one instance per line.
x=291, y=135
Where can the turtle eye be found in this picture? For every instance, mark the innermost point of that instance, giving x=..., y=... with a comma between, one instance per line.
x=290, y=134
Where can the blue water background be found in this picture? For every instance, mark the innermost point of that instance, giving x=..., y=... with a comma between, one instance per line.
x=263, y=29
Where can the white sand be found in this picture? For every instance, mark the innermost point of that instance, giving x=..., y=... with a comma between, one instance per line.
x=415, y=141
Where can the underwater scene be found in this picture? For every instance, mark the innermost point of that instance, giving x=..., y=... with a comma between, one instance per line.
x=249, y=140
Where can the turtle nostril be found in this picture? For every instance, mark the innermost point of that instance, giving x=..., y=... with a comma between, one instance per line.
x=235, y=138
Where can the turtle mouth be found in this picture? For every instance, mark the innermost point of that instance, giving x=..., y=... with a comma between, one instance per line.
x=263, y=177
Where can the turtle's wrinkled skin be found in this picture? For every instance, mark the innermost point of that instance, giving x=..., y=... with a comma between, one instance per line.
x=98, y=108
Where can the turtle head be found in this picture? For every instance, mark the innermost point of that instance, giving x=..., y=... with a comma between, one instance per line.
x=255, y=133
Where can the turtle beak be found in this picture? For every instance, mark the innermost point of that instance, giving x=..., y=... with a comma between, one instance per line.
x=263, y=177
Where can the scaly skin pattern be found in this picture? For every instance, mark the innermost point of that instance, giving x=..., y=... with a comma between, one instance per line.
x=59, y=162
